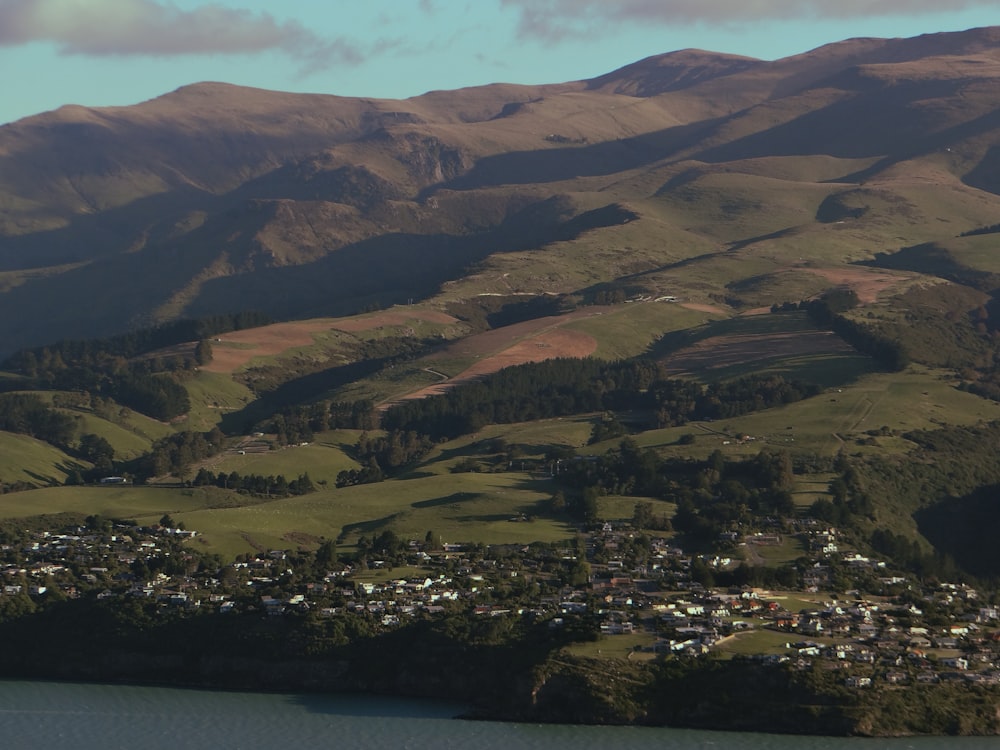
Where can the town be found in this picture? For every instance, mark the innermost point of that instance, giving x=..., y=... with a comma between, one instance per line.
x=613, y=583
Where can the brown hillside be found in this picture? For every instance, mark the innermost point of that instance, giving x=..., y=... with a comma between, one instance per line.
x=684, y=173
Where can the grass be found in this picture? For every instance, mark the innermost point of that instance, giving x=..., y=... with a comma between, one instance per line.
x=322, y=459
x=918, y=398
x=460, y=508
x=212, y=396
x=630, y=330
x=128, y=443
x=142, y=504
x=613, y=646
x=622, y=508
x=24, y=459
x=825, y=370
x=811, y=488
x=758, y=641
x=790, y=549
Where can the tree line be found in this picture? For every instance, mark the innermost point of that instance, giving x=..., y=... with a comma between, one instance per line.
x=713, y=496
x=37, y=361
x=297, y=424
x=381, y=455
x=828, y=312
x=116, y=367
x=176, y=453
x=28, y=414
x=255, y=484
x=563, y=387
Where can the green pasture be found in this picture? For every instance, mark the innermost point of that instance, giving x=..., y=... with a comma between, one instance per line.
x=630, y=330
x=127, y=443
x=614, y=647
x=142, y=504
x=795, y=603
x=458, y=507
x=25, y=459
x=213, y=395
x=596, y=257
x=401, y=379
x=622, y=507
x=828, y=369
x=733, y=206
x=979, y=251
x=791, y=548
x=918, y=398
x=531, y=438
x=743, y=325
x=527, y=440
x=322, y=459
x=809, y=489
x=759, y=641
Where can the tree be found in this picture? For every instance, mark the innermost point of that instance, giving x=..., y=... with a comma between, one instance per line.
x=642, y=516
x=203, y=352
x=558, y=502
x=588, y=505
x=326, y=554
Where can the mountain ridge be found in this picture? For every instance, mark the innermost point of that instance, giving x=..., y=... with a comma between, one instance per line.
x=214, y=181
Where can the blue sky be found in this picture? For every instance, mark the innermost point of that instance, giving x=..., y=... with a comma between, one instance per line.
x=115, y=52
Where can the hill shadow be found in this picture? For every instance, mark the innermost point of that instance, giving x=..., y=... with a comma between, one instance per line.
x=393, y=268
x=297, y=391
x=965, y=528
x=600, y=159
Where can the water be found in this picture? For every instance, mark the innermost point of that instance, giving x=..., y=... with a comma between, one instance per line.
x=52, y=716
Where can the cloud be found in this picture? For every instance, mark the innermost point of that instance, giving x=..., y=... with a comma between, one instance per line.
x=556, y=19
x=158, y=28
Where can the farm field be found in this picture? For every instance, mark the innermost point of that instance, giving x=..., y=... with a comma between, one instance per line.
x=466, y=508
x=462, y=507
x=24, y=459
x=630, y=330
x=916, y=399
x=322, y=459
x=145, y=505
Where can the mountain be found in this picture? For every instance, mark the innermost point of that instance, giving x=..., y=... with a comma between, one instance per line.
x=700, y=174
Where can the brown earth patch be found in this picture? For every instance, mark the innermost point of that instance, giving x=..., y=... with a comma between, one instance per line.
x=500, y=339
x=233, y=350
x=866, y=283
x=530, y=341
x=725, y=351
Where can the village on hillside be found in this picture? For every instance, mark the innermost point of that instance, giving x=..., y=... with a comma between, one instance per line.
x=625, y=586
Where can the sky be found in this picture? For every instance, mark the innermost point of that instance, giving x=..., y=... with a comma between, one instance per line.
x=119, y=52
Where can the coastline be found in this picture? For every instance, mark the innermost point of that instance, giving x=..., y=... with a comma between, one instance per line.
x=722, y=696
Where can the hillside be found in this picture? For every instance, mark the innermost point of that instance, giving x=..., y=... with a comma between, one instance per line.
x=700, y=357
x=684, y=173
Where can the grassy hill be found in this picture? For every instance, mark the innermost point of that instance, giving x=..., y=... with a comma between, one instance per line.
x=409, y=249
x=687, y=172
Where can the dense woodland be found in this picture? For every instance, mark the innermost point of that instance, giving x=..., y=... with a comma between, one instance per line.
x=562, y=387
x=119, y=368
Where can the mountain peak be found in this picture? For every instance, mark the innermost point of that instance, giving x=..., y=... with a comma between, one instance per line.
x=671, y=71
